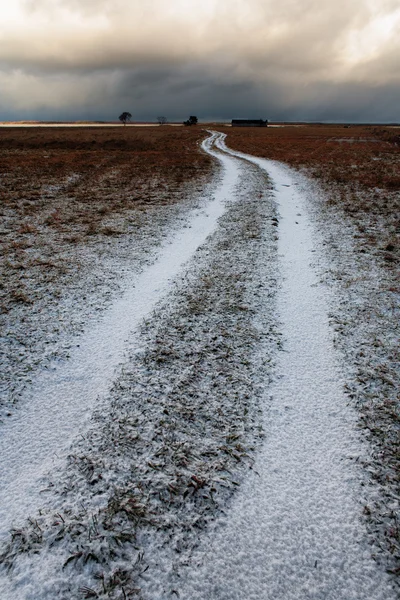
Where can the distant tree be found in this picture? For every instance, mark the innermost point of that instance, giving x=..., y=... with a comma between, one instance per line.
x=191, y=121
x=124, y=117
x=162, y=120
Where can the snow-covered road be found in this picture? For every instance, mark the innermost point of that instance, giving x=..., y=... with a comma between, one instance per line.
x=293, y=530
x=54, y=410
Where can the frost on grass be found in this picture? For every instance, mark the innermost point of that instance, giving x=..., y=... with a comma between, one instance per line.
x=358, y=216
x=57, y=286
x=165, y=453
x=365, y=315
x=80, y=209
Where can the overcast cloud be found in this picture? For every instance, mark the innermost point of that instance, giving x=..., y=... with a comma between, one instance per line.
x=292, y=59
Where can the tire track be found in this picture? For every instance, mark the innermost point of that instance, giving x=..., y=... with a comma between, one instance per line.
x=56, y=407
x=294, y=530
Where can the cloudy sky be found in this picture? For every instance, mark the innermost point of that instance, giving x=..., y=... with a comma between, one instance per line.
x=218, y=59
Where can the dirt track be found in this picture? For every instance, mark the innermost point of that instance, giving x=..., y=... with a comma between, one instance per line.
x=179, y=426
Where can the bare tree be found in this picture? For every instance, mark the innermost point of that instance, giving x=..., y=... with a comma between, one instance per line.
x=162, y=120
x=124, y=117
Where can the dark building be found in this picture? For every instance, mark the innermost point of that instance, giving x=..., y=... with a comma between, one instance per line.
x=249, y=123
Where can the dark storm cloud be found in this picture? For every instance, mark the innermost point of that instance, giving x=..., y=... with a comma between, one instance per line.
x=178, y=93
x=299, y=59
x=191, y=89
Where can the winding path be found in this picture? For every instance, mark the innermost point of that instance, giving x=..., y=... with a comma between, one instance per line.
x=294, y=531
x=54, y=410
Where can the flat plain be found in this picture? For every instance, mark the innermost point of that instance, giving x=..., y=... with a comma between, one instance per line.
x=84, y=212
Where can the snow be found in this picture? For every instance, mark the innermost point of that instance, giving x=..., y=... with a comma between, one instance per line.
x=56, y=407
x=364, y=315
x=294, y=529
x=85, y=276
x=195, y=358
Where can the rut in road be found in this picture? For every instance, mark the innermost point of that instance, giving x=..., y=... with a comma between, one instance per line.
x=54, y=410
x=294, y=530
x=185, y=401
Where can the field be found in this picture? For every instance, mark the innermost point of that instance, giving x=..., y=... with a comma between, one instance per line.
x=359, y=168
x=85, y=212
x=59, y=186
x=71, y=198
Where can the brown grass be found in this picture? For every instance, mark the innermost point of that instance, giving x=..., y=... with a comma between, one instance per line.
x=358, y=166
x=77, y=174
x=366, y=156
x=59, y=186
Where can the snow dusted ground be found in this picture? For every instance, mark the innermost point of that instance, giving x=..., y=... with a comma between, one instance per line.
x=36, y=435
x=294, y=529
x=364, y=314
x=35, y=336
x=178, y=425
x=222, y=458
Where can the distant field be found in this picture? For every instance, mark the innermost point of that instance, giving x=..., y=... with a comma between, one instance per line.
x=80, y=124
x=359, y=167
x=60, y=187
x=368, y=156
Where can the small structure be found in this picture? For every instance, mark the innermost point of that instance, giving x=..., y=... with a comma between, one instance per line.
x=249, y=123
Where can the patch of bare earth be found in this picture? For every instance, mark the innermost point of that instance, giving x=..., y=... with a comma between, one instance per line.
x=356, y=202
x=80, y=208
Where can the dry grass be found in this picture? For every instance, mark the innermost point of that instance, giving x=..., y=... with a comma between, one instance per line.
x=366, y=156
x=59, y=186
x=358, y=166
x=75, y=176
